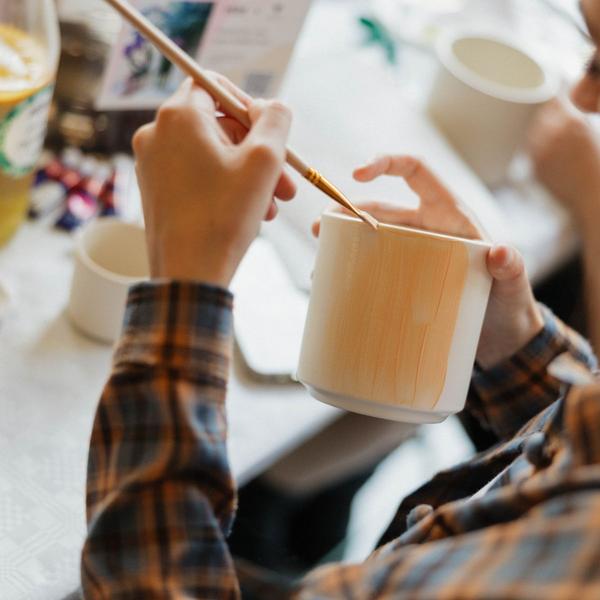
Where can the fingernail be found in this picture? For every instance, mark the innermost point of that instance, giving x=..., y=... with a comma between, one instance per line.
x=496, y=248
x=510, y=257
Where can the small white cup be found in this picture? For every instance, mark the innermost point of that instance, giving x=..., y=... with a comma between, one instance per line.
x=394, y=320
x=486, y=92
x=110, y=257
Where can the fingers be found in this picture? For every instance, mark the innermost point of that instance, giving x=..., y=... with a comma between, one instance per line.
x=586, y=94
x=189, y=94
x=553, y=117
x=204, y=101
x=397, y=166
x=141, y=138
x=235, y=133
x=271, y=124
x=506, y=265
x=235, y=91
x=382, y=165
x=264, y=149
x=190, y=109
x=272, y=212
x=316, y=228
x=416, y=174
x=286, y=188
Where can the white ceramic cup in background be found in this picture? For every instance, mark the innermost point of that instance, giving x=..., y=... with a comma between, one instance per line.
x=486, y=92
x=110, y=257
x=394, y=320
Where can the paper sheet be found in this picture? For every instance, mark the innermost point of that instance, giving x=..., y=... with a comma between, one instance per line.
x=249, y=41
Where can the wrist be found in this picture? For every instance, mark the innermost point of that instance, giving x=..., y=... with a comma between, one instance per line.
x=183, y=262
x=511, y=337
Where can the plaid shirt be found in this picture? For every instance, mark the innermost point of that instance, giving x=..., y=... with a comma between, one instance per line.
x=521, y=520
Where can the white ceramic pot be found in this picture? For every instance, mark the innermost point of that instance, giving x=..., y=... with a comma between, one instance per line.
x=110, y=257
x=487, y=90
x=394, y=320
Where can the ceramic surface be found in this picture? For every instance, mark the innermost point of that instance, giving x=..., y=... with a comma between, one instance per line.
x=394, y=320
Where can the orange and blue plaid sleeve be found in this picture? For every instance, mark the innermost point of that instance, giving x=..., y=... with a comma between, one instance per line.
x=160, y=495
x=507, y=396
x=161, y=498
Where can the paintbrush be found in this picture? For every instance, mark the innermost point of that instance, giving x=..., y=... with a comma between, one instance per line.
x=228, y=103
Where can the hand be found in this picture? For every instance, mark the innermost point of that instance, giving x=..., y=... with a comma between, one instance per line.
x=513, y=317
x=207, y=183
x=566, y=157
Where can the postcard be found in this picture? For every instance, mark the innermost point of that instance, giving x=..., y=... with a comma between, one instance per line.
x=249, y=41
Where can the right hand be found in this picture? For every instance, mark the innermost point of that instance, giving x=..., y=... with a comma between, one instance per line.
x=566, y=155
x=513, y=317
x=207, y=183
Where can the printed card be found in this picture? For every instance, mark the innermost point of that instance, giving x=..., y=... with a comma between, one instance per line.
x=249, y=41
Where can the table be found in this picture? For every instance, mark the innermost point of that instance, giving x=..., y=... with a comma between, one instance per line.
x=347, y=104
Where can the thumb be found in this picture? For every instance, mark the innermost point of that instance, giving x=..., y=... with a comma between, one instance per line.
x=507, y=267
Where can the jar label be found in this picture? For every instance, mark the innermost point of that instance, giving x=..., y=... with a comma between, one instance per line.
x=23, y=132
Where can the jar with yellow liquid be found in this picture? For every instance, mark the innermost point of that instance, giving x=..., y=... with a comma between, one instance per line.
x=29, y=52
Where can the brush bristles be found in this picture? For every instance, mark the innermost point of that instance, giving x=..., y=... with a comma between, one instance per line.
x=370, y=220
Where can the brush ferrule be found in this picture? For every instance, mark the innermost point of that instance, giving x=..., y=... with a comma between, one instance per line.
x=328, y=188
x=325, y=186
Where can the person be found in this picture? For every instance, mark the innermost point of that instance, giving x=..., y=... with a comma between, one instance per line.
x=566, y=156
x=518, y=521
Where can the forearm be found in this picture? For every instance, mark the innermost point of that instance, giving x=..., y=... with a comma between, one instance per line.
x=160, y=495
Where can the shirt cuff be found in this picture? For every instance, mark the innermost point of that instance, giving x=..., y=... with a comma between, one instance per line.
x=178, y=325
x=510, y=394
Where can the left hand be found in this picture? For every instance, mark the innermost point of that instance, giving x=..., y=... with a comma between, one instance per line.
x=513, y=317
x=438, y=210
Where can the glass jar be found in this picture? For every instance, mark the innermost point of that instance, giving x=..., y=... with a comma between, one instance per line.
x=29, y=53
